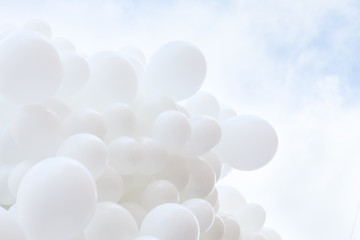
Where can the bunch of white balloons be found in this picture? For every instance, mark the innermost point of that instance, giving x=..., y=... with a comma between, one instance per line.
x=110, y=147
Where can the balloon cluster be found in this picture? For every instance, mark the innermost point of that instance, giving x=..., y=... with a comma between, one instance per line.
x=108, y=147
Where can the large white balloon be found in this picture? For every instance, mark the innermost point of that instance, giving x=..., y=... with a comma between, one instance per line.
x=203, y=212
x=172, y=129
x=110, y=186
x=252, y=217
x=111, y=222
x=9, y=228
x=87, y=149
x=231, y=201
x=248, y=142
x=177, y=69
x=37, y=130
x=159, y=192
x=56, y=199
x=171, y=221
x=30, y=67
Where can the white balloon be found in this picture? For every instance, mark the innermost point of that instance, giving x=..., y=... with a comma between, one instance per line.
x=203, y=103
x=172, y=129
x=17, y=174
x=226, y=113
x=213, y=197
x=30, y=67
x=215, y=232
x=253, y=236
x=252, y=217
x=231, y=201
x=270, y=234
x=177, y=69
x=58, y=107
x=125, y=155
x=56, y=199
x=6, y=198
x=159, y=192
x=133, y=52
x=225, y=170
x=146, y=238
x=10, y=151
x=202, y=180
x=110, y=186
x=76, y=73
x=10, y=229
x=39, y=26
x=231, y=228
x=177, y=171
x=119, y=120
x=248, y=142
x=87, y=149
x=136, y=210
x=205, y=134
x=171, y=221
x=214, y=161
x=37, y=130
x=111, y=222
x=154, y=156
x=64, y=45
x=203, y=212
x=85, y=120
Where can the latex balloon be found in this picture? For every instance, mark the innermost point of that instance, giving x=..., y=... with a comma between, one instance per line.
x=85, y=120
x=37, y=130
x=231, y=201
x=252, y=217
x=17, y=174
x=136, y=210
x=231, y=228
x=133, y=52
x=10, y=229
x=172, y=129
x=125, y=155
x=119, y=120
x=87, y=149
x=214, y=161
x=111, y=222
x=203, y=212
x=6, y=198
x=76, y=73
x=39, y=26
x=177, y=171
x=64, y=45
x=159, y=192
x=202, y=180
x=216, y=231
x=110, y=186
x=203, y=103
x=56, y=199
x=270, y=234
x=248, y=142
x=177, y=69
x=205, y=134
x=30, y=67
x=154, y=156
x=171, y=221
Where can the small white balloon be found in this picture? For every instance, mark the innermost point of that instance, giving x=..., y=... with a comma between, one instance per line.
x=37, y=130
x=85, y=120
x=10, y=229
x=87, y=149
x=56, y=199
x=6, y=198
x=215, y=232
x=110, y=186
x=37, y=25
x=203, y=212
x=171, y=221
x=30, y=67
x=172, y=129
x=203, y=103
x=76, y=73
x=231, y=201
x=231, y=228
x=270, y=234
x=125, y=155
x=159, y=192
x=177, y=69
x=205, y=134
x=154, y=156
x=252, y=217
x=111, y=222
x=17, y=174
x=248, y=142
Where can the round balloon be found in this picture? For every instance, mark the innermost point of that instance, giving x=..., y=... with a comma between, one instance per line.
x=231, y=228
x=248, y=142
x=30, y=66
x=110, y=186
x=159, y=192
x=154, y=157
x=203, y=212
x=252, y=217
x=203, y=103
x=231, y=201
x=10, y=229
x=17, y=174
x=177, y=69
x=215, y=232
x=37, y=25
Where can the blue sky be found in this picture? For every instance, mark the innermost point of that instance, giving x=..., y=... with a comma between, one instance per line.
x=296, y=63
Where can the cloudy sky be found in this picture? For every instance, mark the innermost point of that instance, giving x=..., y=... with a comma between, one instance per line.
x=296, y=63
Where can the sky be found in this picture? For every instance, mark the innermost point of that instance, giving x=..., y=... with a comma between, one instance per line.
x=295, y=63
